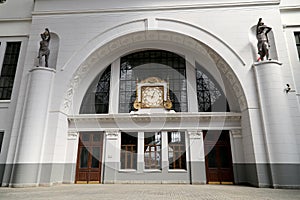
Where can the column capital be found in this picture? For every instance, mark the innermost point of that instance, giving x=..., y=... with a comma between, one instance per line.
x=236, y=133
x=72, y=134
x=195, y=134
x=112, y=134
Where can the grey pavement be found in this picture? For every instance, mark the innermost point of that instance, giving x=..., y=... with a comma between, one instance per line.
x=145, y=191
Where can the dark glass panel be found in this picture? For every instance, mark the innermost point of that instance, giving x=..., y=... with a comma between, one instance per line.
x=212, y=158
x=95, y=157
x=8, y=70
x=209, y=94
x=96, y=99
x=84, y=157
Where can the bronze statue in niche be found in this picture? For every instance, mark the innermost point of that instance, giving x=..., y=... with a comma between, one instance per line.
x=44, y=47
x=263, y=44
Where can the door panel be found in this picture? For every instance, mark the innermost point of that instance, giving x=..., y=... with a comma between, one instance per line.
x=88, y=169
x=218, y=158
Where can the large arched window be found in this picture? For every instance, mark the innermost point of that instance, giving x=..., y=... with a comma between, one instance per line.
x=96, y=99
x=209, y=94
x=153, y=63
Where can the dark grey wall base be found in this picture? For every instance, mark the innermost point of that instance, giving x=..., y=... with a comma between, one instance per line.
x=112, y=174
x=32, y=175
x=267, y=175
x=258, y=175
x=198, y=172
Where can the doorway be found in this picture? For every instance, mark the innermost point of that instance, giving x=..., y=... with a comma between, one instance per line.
x=218, y=159
x=89, y=157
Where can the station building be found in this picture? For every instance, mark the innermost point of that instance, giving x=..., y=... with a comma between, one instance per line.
x=149, y=92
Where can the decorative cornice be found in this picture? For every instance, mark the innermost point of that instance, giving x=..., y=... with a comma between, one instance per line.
x=190, y=6
x=196, y=134
x=170, y=117
x=15, y=19
x=289, y=8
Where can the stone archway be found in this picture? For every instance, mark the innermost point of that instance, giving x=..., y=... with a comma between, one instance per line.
x=138, y=40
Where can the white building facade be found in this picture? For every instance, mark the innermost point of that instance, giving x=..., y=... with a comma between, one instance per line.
x=232, y=118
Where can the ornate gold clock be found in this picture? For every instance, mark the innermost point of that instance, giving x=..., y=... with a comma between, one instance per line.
x=152, y=93
x=152, y=97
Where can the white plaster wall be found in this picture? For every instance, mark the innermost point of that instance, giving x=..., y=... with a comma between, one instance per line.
x=92, y=30
x=222, y=29
x=16, y=9
x=290, y=16
x=80, y=38
x=15, y=17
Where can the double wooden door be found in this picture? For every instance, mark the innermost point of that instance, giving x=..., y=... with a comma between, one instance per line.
x=218, y=158
x=89, y=157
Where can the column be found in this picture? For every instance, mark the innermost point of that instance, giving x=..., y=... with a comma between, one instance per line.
x=191, y=84
x=164, y=152
x=197, y=157
x=279, y=134
x=140, y=151
x=27, y=165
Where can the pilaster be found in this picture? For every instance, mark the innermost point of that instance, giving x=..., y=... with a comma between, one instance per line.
x=111, y=155
x=197, y=157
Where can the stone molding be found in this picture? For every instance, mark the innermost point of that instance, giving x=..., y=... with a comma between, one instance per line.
x=112, y=134
x=72, y=135
x=195, y=134
x=164, y=36
x=236, y=133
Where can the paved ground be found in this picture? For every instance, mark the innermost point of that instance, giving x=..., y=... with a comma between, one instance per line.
x=141, y=192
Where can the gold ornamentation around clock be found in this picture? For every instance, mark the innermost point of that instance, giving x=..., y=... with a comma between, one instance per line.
x=152, y=96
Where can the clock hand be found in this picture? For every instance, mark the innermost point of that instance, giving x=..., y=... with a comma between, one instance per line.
x=152, y=95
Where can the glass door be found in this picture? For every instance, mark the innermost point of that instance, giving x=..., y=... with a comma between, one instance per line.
x=89, y=157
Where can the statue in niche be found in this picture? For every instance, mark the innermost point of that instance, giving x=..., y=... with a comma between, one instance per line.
x=44, y=47
x=262, y=39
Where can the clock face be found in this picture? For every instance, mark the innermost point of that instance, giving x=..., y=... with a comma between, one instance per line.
x=152, y=96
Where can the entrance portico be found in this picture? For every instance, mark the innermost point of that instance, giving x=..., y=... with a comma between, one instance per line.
x=191, y=124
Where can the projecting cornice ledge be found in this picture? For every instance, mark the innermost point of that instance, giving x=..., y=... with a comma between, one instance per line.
x=157, y=116
x=61, y=7
x=155, y=121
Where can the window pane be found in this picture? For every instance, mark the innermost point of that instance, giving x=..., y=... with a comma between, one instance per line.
x=209, y=94
x=84, y=157
x=212, y=158
x=152, y=150
x=8, y=70
x=129, y=150
x=1, y=139
x=96, y=99
x=95, y=157
x=297, y=38
x=152, y=63
x=176, y=149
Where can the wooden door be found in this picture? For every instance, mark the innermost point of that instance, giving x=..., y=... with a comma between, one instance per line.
x=218, y=158
x=89, y=157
